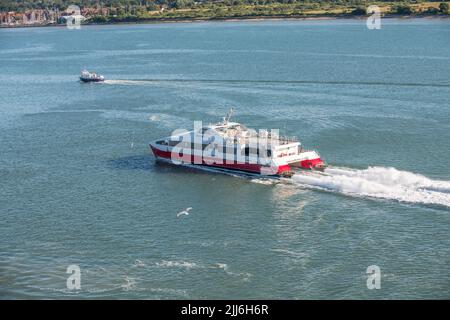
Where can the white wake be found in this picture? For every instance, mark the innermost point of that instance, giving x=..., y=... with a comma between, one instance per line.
x=378, y=182
x=126, y=82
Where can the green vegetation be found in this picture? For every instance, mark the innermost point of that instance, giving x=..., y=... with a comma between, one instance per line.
x=403, y=9
x=359, y=11
x=111, y=11
x=432, y=10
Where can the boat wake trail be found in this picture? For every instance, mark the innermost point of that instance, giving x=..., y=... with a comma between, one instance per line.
x=125, y=82
x=282, y=82
x=378, y=182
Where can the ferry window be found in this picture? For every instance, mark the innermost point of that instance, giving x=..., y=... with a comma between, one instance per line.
x=173, y=143
x=247, y=151
x=162, y=142
x=269, y=153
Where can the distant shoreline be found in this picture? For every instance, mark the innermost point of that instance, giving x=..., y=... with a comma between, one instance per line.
x=237, y=19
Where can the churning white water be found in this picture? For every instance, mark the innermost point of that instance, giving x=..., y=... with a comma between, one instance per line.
x=379, y=182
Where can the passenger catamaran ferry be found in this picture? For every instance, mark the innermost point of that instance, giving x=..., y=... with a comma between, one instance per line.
x=230, y=145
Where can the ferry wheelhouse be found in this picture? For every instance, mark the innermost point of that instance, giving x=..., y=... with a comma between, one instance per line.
x=232, y=146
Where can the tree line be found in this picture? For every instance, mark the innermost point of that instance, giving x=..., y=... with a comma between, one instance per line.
x=19, y=5
x=134, y=7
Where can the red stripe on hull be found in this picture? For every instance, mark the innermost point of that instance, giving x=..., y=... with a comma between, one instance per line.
x=253, y=168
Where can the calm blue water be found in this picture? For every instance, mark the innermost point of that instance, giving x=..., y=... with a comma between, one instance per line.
x=78, y=184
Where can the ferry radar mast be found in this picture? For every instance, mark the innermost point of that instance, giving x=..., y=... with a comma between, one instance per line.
x=228, y=116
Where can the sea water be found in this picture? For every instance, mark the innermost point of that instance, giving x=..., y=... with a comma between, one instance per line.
x=79, y=185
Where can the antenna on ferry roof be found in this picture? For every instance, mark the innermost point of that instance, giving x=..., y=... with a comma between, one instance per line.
x=229, y=114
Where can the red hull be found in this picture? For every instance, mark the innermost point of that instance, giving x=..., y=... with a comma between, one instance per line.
x=245, y=167
x=252, y=168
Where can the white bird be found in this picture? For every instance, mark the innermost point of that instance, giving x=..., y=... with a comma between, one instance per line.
x=139, y=263
x=185, y=212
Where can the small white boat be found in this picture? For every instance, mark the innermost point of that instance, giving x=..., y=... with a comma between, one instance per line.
x=87, y=76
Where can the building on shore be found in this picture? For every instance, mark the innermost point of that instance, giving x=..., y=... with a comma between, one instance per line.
x=29, y=17
x=45, y=17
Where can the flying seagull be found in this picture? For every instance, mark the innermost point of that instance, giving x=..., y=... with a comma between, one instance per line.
x=185, y=212
x=139, y=263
